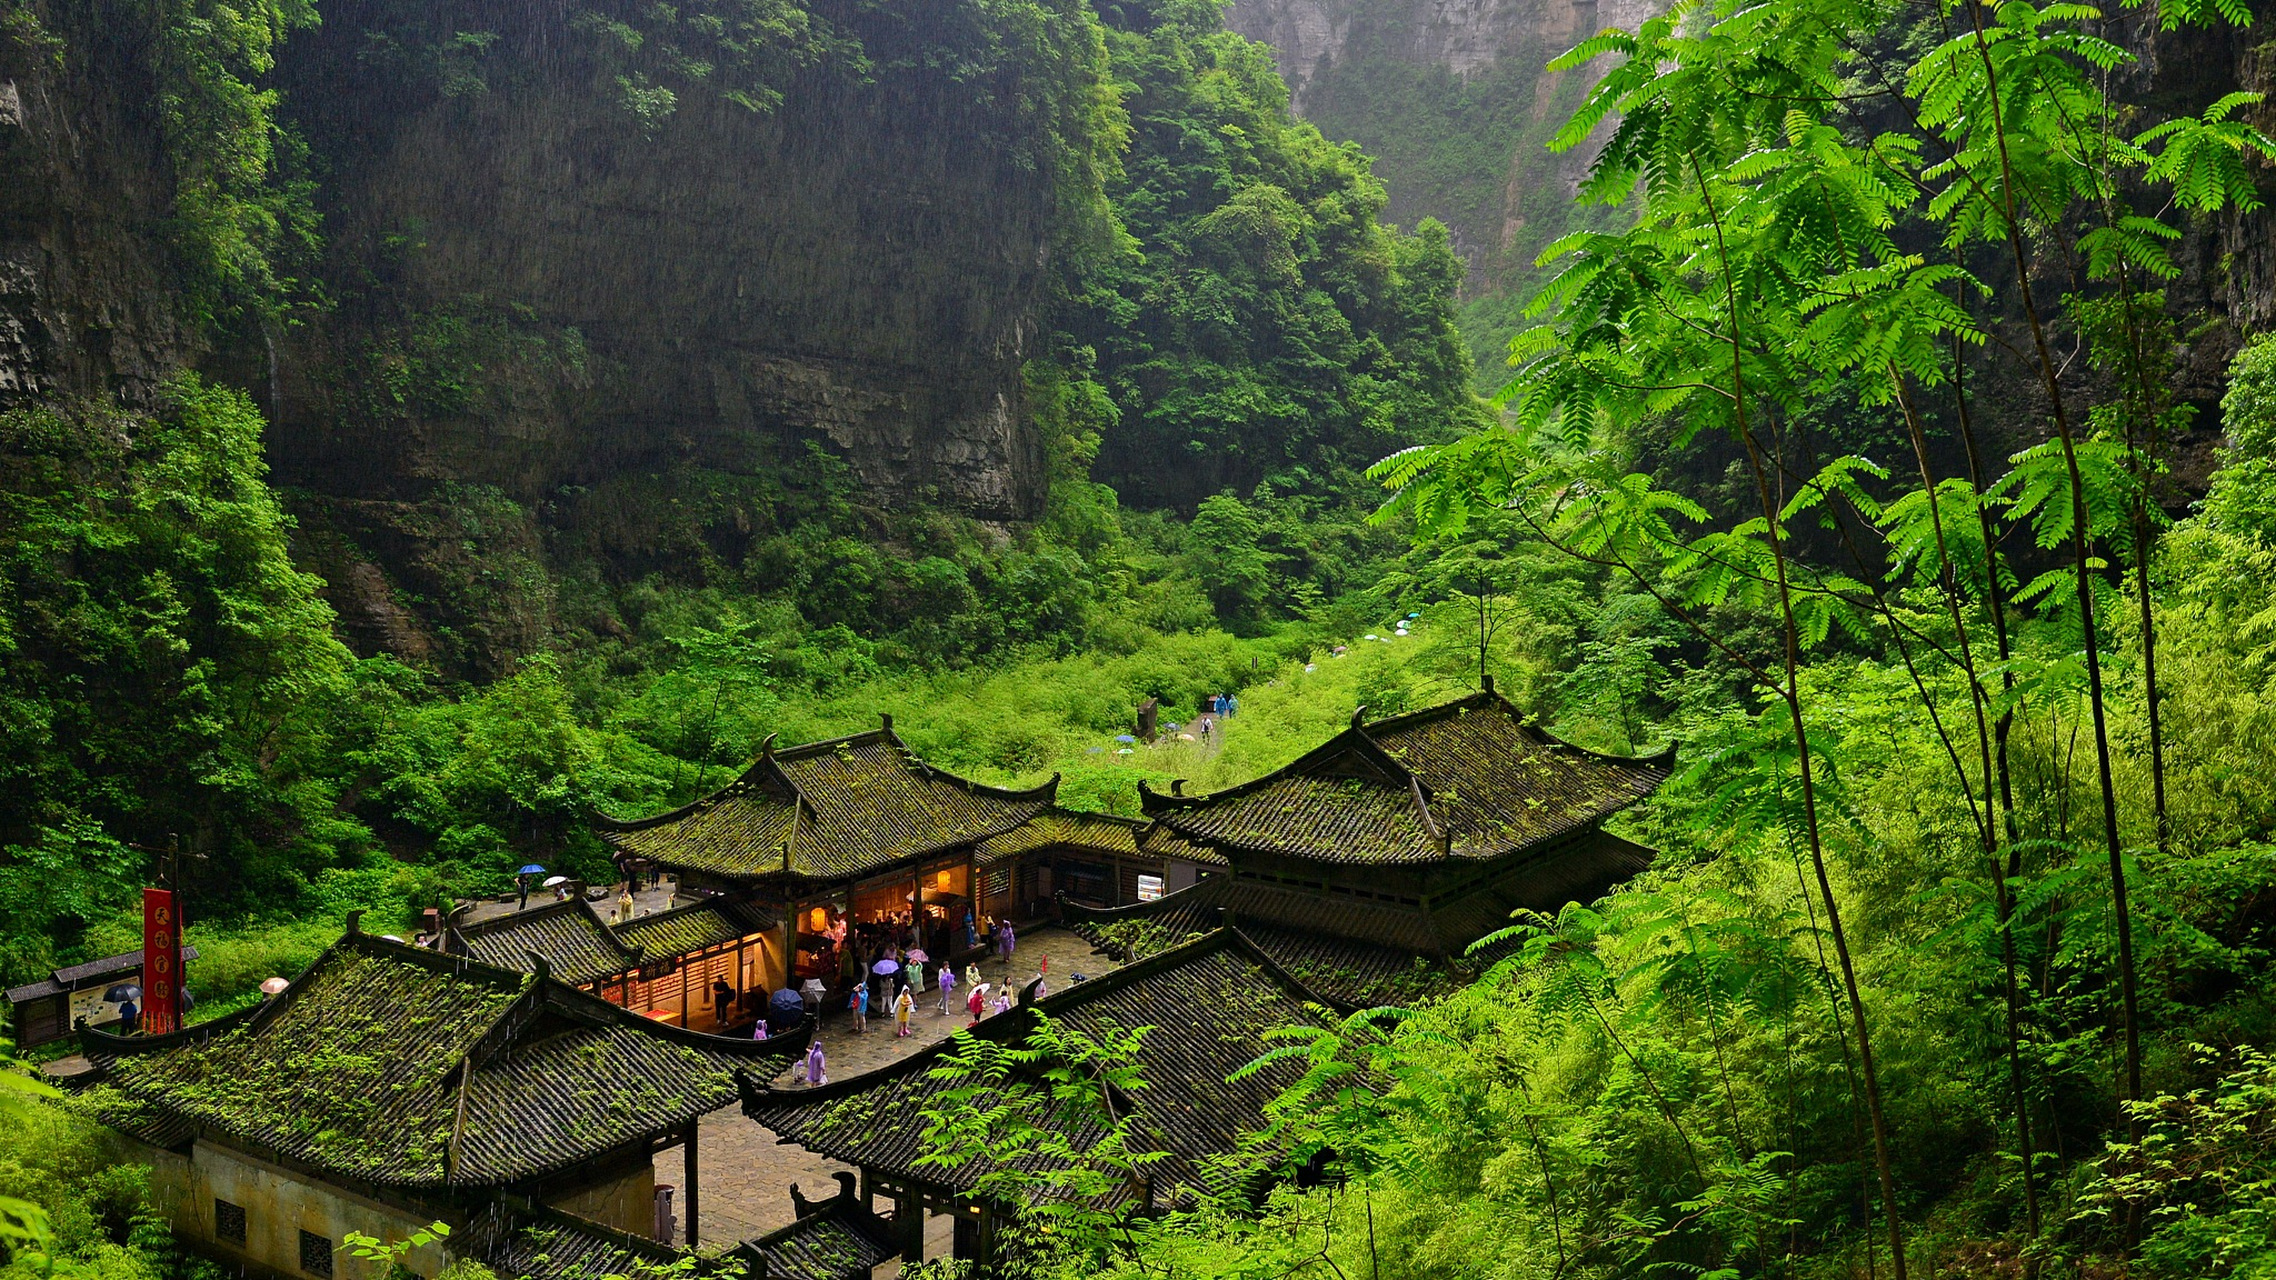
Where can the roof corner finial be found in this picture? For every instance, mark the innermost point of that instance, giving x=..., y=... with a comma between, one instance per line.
x=885, y=718
x=1177, y=786
x=766, y=749
x=539, y=970
x=1489, y=681
x=355, y=922
x=1358, y=715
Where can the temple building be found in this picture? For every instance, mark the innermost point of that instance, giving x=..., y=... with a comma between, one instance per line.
x=1358, y=875
x=1369, y=865
x=662, y=965
x=390, y=1087
x=858, y=830
x=520, y=1082
x=1207, y=1003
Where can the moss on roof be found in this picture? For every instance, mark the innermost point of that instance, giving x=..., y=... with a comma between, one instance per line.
x=683, y=929
x=1466, y=780
x=577, y=945
x=1206, y=1004
x=827, y=811
x=398, y=1066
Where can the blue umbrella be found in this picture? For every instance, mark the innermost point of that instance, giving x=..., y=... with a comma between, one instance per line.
x=787, y=1001
x=531, y=870
x=1125, y=737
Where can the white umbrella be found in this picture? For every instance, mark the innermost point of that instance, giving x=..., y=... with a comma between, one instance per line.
x=274, y=986
x=551, y=881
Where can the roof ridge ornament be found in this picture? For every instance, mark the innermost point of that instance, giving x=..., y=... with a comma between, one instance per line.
x=1358, y=715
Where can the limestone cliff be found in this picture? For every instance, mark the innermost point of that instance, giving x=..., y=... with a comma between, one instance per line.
x=1453, y=99
x=87, y=305
x=556, y=300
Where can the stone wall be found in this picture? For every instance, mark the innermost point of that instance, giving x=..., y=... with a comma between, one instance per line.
x=279, y=1205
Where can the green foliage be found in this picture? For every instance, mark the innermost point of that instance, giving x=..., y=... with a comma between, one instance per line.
x=1259, y=324
x=1047, y=1123
x=165, y=660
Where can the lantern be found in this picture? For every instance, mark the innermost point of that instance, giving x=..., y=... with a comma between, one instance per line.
x=818, y=921
x=942, y=880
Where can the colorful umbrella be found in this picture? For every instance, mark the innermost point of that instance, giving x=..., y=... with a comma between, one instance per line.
x=885, y=966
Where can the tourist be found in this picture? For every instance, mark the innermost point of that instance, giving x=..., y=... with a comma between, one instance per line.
x=1232, y=704
x=624, y=904
x=1011, y=943
x=859, y=1004
x=977, y=1005
x=816, y=1065
x=971, y=934
x=947, y=986
x=1004, y=999
x=130, y=1018
x=759, y=1031
x=722, y=1000
x=972, y=974
x=904, y=1004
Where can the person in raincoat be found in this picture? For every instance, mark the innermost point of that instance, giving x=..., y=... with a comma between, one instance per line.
x=947, y=987
x=904, y=1004
x=816, y=1066
x=977, y=1004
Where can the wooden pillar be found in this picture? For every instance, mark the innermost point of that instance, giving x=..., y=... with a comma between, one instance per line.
x=909, y=1216
x=687, y=1148
x=685, y=1021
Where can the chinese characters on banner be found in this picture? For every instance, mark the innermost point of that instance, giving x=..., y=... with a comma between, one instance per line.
x=161, y=962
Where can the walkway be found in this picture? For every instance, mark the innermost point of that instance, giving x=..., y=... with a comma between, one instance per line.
x=746, y=1175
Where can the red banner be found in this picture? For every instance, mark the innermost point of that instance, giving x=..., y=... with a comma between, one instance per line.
x=161, y=962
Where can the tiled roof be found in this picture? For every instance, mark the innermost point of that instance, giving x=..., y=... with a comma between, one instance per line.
x=691, y=928
x=1466, y=780
x=543, y=1243
x=1159, y=841
x=1064, y=828
x=1342, y=971
x=399, y=1066
x=1207, y=1005
x=573, y=940
x=841, y=1241
x=1357, y=951
x=827, y=811
x=74, y=977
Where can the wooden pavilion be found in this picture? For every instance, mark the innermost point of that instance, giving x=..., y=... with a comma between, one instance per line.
x=860, y=830
x=662, y=964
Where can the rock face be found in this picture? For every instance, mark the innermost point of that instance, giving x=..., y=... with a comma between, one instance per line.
x=536, y=300
x=606, y=297
x=1453, y=99
x=87, y=305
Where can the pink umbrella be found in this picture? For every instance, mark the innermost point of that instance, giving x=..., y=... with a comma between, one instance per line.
x=919, y=954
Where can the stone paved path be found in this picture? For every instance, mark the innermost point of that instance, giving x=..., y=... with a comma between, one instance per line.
x=746, y=1175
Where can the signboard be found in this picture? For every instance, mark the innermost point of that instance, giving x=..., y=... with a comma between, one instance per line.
x=91, y=1005
x=161, y=962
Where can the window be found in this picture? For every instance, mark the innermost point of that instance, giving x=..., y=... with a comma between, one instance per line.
x=1149, y=888
x=315, y=1255
x=229, y=1222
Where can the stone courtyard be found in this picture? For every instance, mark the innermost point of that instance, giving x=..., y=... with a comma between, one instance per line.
x=745, y=1175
